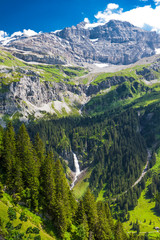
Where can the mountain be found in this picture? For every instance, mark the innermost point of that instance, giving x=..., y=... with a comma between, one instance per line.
x=115, y=42
x=103, y=115
x=118, y=122
x=89, y=98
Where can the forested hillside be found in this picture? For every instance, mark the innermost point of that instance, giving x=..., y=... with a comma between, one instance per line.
x=112, y=147
x=35, y=179
x=108, y=120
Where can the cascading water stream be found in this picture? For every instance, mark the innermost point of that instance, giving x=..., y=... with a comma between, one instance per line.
x=77, y=168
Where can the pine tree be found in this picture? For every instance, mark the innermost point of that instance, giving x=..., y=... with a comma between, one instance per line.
x=63, y=212
x=9, y=155
x=28, y=160
x=81, y=219
x=102, y=230
x=1, y=190
x=90, y=209
x=109, y=216
x=1, y=143
x=39, y=147
x=48, y=184
x=40, y=151
x=18, y=182
x=119, y=232
x=73, y=203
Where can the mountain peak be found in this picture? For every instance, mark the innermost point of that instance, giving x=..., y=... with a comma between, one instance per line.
x=115, y=42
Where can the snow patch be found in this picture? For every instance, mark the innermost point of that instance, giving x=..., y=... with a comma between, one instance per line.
x=5, y=41
x=94, y=40
x=57, y=31
x=157, y=50
x=93, y=25
x=101, y=65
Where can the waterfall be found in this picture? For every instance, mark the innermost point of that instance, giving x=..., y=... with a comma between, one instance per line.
x=76, y=164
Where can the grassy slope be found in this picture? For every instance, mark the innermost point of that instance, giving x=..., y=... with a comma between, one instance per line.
x=10, y=63
x=145, y=210
x=57, y=73
x=130, y=73
x=33, y=220
x=124, y=96
x=134, y=91
x=134, y=73
x=101, y=193
x=51, y=73
x=8, y=60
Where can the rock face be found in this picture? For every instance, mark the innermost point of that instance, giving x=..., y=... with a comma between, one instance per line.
x=31, y=95
x=115, y=42
x=28, y=93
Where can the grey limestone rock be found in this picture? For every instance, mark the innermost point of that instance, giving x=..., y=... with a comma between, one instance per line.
x=115, y=42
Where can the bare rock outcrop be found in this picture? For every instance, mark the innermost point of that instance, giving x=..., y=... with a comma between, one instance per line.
x=115, y=42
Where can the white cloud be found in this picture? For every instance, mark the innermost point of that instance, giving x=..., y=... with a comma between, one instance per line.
x=19, y=33
x=5, y=38
x=112, y=6
x=144, y=17
x=157, y=2
x=86, y=20
x=3, y=34
x=29, y=32
x=25, y=32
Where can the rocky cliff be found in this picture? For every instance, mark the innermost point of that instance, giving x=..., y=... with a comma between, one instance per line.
x=35, y=90
x=115, y=42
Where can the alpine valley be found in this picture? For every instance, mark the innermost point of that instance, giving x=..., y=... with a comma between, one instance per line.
x=80, y=134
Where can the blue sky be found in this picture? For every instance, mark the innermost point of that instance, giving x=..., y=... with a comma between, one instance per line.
x=50, y=15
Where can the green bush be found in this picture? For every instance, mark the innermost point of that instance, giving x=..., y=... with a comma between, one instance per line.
x=12, y=213
x=37, y=237
x=23, y=217
x=29, y=230
x=35, y=230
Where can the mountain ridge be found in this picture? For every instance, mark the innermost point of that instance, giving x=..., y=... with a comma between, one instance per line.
x=115, y=42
